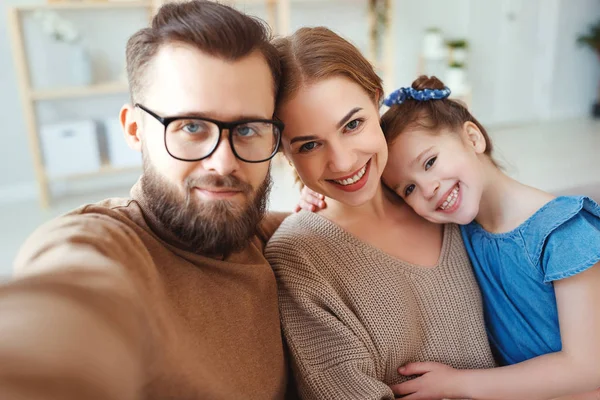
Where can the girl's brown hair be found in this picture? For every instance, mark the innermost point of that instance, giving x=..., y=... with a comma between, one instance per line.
x=312, y=54
x=431, y=115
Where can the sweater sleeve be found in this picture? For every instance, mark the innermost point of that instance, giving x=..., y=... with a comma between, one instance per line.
x=73, y=323
x=330, y=355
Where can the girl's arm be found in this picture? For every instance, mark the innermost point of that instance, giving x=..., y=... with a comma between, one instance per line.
x=574, y=369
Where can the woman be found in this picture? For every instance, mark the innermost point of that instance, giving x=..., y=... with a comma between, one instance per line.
x=365, y=285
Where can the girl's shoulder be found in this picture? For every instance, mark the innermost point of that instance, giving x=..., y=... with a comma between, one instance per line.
x=563, y=237
x=559, y=213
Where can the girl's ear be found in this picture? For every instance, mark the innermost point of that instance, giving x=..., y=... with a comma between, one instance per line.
x=473, y=137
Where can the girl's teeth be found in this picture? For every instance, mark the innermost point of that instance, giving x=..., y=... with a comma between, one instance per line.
x=354, y=179
x=451, y=199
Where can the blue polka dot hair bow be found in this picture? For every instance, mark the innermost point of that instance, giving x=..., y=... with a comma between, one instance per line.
x=401, y=95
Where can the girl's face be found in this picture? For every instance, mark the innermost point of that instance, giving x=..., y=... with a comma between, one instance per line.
x=333, y=137
x=439, y=174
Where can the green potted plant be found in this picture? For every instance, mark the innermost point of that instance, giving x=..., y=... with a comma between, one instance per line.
x=458, y=50
x=592, y=40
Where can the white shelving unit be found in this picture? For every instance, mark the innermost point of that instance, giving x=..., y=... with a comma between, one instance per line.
x=278, y=16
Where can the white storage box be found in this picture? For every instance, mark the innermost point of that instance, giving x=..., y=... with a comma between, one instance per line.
x=70, y=148
x=119, y=153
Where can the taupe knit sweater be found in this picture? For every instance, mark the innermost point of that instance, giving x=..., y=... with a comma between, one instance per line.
x=353, y=314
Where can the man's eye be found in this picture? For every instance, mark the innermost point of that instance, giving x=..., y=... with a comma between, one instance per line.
x=245, y=131
x=409, y=189
x=191, y=128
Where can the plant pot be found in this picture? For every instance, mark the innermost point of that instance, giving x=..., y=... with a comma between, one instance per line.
x=458, y=54
x=433, y=46
x=456, y=79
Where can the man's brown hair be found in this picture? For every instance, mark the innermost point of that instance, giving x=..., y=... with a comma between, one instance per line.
x=215, y=29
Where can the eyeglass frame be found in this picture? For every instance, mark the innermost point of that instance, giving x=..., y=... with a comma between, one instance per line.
x=230, y=126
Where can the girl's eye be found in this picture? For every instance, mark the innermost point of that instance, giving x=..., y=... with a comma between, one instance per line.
x=409, y=189
x=430, y=163
x=306, y=147
x=353, y=125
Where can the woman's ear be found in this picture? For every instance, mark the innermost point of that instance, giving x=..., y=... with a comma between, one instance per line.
x=379, y=98
x=474, y=137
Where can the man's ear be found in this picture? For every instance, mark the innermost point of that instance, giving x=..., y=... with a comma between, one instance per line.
x=130, y=127
x=474, y=137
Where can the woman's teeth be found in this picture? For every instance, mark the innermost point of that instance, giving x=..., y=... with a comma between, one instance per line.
x=354, y=179
x=451, y=199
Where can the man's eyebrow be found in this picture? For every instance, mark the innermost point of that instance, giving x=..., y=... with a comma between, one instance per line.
x=203, y=115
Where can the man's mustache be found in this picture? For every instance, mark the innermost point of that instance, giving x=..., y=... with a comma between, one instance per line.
x=219, y=181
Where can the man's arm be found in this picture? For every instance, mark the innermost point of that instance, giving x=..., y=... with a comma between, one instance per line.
x=73, y=325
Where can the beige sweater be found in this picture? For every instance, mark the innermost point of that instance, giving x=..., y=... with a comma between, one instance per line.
x=352, y=314
x=109, y=306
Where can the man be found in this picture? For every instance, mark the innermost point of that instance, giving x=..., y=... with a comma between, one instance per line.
x=165, y=295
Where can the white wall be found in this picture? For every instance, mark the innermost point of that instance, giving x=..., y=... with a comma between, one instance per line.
x=525, y=64
x=577, y=70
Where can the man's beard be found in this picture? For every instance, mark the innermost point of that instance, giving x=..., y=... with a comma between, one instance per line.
x=213, y=228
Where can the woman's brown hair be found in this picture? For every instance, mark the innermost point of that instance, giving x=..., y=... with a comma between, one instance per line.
x=432, y=115
x=312, y=54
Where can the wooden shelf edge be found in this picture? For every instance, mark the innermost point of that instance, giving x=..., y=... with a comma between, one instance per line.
x=82, y=91
x=85, y=5
x=105, y=169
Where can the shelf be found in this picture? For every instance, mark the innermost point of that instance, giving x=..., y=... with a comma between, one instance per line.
x=85, y=5
x=82, y=91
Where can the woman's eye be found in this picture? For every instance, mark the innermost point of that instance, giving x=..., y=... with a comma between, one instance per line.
x=409, y=189
x=353, y=125
x=306, y=147
x=430, y=163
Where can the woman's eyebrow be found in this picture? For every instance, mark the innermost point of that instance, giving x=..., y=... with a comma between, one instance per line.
x=348, y=116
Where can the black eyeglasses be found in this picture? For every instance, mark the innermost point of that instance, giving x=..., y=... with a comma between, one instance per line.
x=194, y=139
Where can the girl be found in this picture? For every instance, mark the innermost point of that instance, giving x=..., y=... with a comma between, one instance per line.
x=535, y=256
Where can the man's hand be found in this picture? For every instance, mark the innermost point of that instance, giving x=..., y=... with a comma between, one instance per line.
x=436, y=381
x=310, y=200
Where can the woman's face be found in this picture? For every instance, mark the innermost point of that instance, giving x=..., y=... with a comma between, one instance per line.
x=333, y=137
